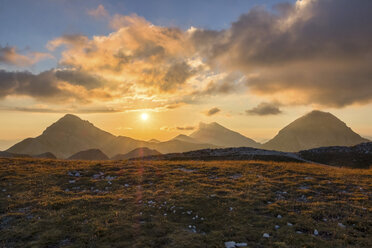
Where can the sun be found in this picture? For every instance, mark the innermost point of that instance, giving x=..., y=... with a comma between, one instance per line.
x=144, y=116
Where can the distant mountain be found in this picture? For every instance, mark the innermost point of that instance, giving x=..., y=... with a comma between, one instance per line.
x=91, y=154
x=154, y=141
x=48, y=155
x=70, y=135
x=315, y=129
x=13, y=155
x=137, y=153
x=359, y=156
x=218, y=135
x=67, y=136
x=185, y=138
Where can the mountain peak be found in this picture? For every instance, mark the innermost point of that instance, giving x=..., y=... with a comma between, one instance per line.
x=314, y=129
x=214, y=133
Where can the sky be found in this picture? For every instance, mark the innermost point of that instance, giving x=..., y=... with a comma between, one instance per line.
x=252, y=66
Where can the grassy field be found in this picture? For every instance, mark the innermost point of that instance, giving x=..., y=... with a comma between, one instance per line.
x=55, y=203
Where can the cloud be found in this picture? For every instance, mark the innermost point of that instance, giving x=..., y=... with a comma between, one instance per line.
x=177, y=128
x=51, y=86
x=264, y=108
x=310, y=52
x=99, y=12
x=10, y=56
x=212, y=111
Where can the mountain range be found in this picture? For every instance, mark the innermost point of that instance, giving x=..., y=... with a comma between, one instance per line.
x=70, y=135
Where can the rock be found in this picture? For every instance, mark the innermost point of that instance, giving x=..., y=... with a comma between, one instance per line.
x=277, y=226
x=241, y=244
x=341, y=225
x=316, y=233
x=289, y=224
x=266, y=235
x=279, y=216
x=230, y=244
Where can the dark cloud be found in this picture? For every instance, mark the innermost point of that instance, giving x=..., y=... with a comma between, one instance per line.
x=50, y=85
x=176, y=75
x=319, y=49
x=264, y=108
x=82, y=78
x=213, y=111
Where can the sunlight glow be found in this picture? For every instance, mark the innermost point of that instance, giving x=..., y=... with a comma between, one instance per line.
x=144, y=116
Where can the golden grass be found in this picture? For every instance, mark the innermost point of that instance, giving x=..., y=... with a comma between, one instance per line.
x=182, y=204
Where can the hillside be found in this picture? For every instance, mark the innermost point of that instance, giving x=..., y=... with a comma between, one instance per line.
x=315, y=129
x=137, y=153
x=91, y=154
x=359, y=156
x=214, y=133
x=54, y=203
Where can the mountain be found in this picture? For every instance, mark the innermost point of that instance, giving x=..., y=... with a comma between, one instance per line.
x=218, y=135
x=13, y=155
x=154, y=141
x=67, y=136
x=315, y=129
x=48, y=155
x=185, y=138
x=91, y=154
x=70, y=135
x=359, y=156
x=137, y=153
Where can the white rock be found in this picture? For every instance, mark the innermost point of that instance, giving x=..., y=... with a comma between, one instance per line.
x=71, y=181
x=241, y=244
x=266, y=235
x=277, y=226
x=279, y=216
x=289, y=224
x=341, y=225
x=316, y=233
x=299, y=232
x=230, y=244
x=77, y=174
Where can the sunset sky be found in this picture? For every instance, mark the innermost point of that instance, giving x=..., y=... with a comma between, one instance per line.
x=251, y=65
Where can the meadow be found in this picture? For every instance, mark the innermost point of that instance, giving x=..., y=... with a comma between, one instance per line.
x=59, y=203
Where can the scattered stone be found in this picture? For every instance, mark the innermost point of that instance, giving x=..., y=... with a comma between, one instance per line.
x=277, y=226
x=231, y=208
x=229, y=244
x=299, y=232
x=266, y=235
x=241, y=244
x=279, y=216
x=126, y=185
x=289, y=224
x=77, y=174
x=71, y=181
x=4, y=190
x=341, y=225
x=316, y=233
